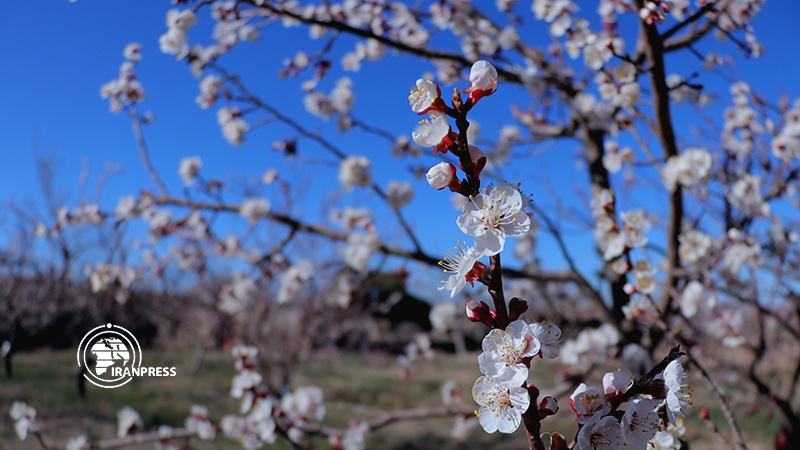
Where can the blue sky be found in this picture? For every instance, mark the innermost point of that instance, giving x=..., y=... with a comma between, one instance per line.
x=57, y=54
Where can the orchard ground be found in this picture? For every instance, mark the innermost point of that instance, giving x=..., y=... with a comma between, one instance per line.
x=356, y=387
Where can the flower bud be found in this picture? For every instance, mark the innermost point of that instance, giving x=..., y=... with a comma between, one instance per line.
x=479, y=312
x=478, y=159
x=482, y=81
x=533, y=392
x=443, y=175
x=516, y=308
x=548, y=407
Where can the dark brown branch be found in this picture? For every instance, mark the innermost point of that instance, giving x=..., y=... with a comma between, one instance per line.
x=654, y=52
x=144, y=153
x=496, y=291
x=695, y=34
x=689, y=20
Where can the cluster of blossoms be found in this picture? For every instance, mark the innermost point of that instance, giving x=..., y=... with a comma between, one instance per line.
x=24, y=417
x=786, y=145
x=126, y=89
x=663, y=401
x=293, y=279
x=264, y=415
x=339, y=103
x=104, y=277
x=696, y=298
x=254, y=209
x=491, y=216
x=233, y=125
x=590, y=346
x=694, y=246
x=210, y=86
x=507, y=354
x=690, y=168
x=597, y=48
x=240, y=293
x=176, y=41
x=741, y=123
x=85, y=214
x=419, y=348
x=745, y=195
x=360, y=248
x=615, y=242
x=614, y=157
x=199, y=423
x=355, y=171
x=189, y=169
x=618, y=85
x=740, y=250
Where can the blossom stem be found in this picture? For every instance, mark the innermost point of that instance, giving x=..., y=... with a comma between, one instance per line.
x=533, y=427
x=144, y=152
x=496, y=291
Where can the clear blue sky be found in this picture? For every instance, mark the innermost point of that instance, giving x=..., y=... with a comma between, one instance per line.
x=57, y=54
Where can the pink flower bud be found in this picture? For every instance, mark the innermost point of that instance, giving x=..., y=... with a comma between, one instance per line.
x=480, y=312
x=478, y=159
x=533, y=392
x=443, y=175
x=548, y=407
x=482, y=80
x=516, y=308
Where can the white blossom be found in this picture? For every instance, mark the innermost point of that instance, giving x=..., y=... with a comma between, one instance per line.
x=355, y=171
x=424, y=97
x=640, y=423
x=694, y=246
x=588, y=403
x=431, y=132
x=461, y=266
x=237, y=294
x=189, y=169
x=492, y=216
x=209, y=91
x=292, y=280
x=696, y=298
x=254, y=209
x=443, y=316
x=128, y=422
x=399, y=194
x=602, y=434
x=306, y=402
x=549, y=337
x=505, y=352
x=360, y=247
x=501, y=407
x=24, y=417
x=679, y=391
